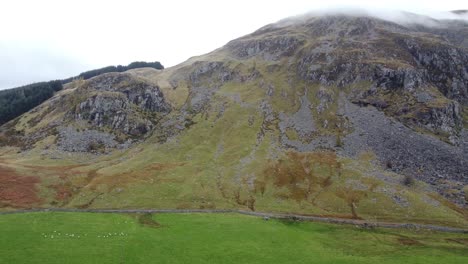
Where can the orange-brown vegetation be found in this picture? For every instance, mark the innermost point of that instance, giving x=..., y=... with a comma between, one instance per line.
x=63, y=192
x=303, y=174
x=16, y=190
x=62, y=171
x=148, y=173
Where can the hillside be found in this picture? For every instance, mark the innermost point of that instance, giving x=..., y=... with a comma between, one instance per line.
x=334, y=115
x=17, y=101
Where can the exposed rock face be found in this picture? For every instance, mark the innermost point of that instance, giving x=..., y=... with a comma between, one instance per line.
x=269, y=48
x=121, y=103
x=394, y=59
x=302, y=121
x=403, y=150
x=86, y=141
x=446, y=119
x=146, y=96
x=105, y=112
x=205, y=79
x=445, y=66
x=409, y=63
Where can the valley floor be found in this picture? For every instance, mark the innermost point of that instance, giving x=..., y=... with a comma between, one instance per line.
x=64, y=237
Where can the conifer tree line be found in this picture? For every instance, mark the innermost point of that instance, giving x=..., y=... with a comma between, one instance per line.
x=118, y=68
x=16, y=101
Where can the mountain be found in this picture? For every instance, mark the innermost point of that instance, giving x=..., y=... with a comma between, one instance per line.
x=460, y=12
x=335, y=115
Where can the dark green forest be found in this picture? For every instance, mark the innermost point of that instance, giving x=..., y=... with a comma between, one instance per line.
x=16, y=101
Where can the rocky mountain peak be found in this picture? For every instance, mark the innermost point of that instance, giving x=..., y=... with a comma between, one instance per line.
x=340, y=50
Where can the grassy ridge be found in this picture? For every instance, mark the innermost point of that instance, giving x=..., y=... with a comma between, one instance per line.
x=206, y=238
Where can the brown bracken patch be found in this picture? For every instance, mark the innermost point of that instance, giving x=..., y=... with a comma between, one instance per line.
x=16, y=190
x=62, y=171
x=63, y=192
x=303, y=174
x=147, y=173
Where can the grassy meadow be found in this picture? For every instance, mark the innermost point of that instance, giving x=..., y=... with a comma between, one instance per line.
x=213, y=238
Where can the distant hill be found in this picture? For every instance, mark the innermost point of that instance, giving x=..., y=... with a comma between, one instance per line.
x=460, y=12
x=16, y=101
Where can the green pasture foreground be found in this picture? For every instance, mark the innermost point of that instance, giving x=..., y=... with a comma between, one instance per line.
x=213, y=238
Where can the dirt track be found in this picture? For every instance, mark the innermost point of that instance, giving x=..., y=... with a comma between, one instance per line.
x=359, y=223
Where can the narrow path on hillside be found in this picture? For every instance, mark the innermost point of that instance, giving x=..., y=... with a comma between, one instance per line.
x=294, y=217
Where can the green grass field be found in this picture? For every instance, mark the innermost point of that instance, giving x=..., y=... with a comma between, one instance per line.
x=213, y=238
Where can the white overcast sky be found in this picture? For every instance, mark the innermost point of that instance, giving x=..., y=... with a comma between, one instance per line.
x=50, y=39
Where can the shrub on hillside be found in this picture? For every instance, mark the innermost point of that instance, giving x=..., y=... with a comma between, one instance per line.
x=408, y=180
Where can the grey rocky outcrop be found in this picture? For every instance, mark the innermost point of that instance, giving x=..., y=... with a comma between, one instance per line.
x=121, y=103
x=302, y=121
x=446, y=66
x=446, y=119
x=73, y=140
x=405, y=151
x=271, y=49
